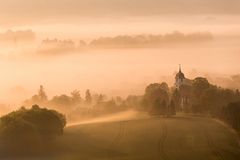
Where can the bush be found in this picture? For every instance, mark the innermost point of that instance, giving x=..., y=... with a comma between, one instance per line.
x=231, y=115
x=27, y=131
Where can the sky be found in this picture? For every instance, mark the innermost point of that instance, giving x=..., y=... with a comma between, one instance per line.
x=23, y=72
x=53, y=8
x=114, y=16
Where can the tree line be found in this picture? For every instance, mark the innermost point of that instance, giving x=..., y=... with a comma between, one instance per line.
x=201, y=97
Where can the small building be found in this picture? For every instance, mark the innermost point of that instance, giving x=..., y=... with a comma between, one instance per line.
x=180, y=79
x=183, y=84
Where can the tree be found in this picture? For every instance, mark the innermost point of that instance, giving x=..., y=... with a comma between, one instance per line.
x=156, y=98
x=98, y=98
x=237, y=93
x=176, y=98
x=42, y=95
x=159, y=107
x=164, y=107
x=200, y=85
x=154, y=91
x=164, y=86
x=171, y=108
x=231, y=114
x=63, y=102
x=88, y=97
x=156, y=109
x=137, y=102
x=76, y=97
x=40, y=98
x=28, y=131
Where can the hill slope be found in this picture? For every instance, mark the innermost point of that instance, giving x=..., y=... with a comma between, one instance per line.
x=153, y=138
x=149, y=139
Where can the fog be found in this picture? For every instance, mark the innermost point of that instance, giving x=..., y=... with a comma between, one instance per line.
x=114, y=72
x=66, y=65
x=121, y=116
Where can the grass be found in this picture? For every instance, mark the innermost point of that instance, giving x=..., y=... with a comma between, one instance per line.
x=154, y=138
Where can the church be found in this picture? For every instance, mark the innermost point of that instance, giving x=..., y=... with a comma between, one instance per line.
x=183, y=84
x=181, y=80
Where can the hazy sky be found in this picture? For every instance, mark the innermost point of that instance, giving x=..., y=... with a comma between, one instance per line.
x=52, y=8
x=91, y=18
x=88, y=19
x=35, y=11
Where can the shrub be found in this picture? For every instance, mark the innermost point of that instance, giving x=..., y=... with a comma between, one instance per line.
x=28, y=131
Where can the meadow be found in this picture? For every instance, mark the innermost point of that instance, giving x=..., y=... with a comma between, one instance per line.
x=181, y=137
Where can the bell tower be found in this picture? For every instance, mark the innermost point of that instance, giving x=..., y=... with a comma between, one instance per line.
x=179, y=79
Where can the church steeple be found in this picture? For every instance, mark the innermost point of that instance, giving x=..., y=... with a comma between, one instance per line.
x=179, y=77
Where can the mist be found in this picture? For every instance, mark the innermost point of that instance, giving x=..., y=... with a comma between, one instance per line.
x=93, y=69
x=119, y=79
x=121, y=116
x=115, y=71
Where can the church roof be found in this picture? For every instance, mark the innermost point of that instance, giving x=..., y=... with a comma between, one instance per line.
x=180, y=74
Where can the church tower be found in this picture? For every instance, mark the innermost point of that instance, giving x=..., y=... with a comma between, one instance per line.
x=183, y=84
x=180, y=78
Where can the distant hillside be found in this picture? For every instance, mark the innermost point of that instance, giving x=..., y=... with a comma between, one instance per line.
x=128, y=41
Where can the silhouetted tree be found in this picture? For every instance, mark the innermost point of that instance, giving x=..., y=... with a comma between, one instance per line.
x=27, y=131
x=176, y=98
x=98, y=98
x=237, y=93
x=40, y=98
x=88, y=97
x=154, y=95
x=231, y=114
x=157, y=108
x=76, y=97
x=164, y=107
x=164, y=86
x=136, y=102
x=200, y=85
x=172, y=108
x=62, y=102
x=42, y=95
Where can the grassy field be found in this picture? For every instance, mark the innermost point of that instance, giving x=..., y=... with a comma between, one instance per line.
x=153, y=138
